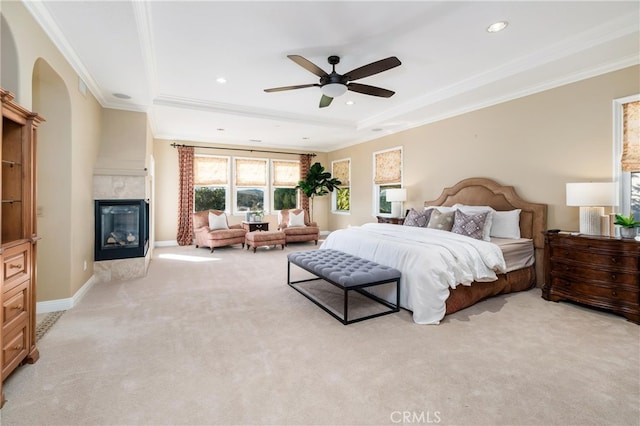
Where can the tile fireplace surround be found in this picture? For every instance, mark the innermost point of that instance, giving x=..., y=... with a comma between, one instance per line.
x=119, y=187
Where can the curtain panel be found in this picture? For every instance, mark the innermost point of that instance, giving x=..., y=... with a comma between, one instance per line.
x=185, y=196
x=388, y=166
x=631, y=137
x=305, y=165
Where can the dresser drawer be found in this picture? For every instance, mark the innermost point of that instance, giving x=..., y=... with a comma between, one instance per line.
x=584, y=292
x=16, y=264
x=595, y=259
x=14, y=350
x=14, y=307
x=570, y=269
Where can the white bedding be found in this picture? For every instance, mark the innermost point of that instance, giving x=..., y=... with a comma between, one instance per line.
x=431, y=262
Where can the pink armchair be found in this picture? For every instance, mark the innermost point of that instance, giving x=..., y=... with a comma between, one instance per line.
x=308, y=232
x=213, y=238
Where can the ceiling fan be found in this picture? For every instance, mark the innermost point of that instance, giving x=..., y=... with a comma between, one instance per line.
x=334, y=84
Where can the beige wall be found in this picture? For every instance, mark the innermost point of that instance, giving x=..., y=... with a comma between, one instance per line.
x=536, y=144
x=166, y=186
x=124, y=141
x=67, y=153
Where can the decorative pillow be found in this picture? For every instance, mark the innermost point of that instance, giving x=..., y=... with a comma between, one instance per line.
x=441, y=221
x=416, y=218
x=506, y=224
x=296, y=219
x=486, y=231
x=441, y=209
x=217, y=221
x=471, y=225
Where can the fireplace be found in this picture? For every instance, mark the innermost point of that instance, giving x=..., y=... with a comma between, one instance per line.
x=122, y=229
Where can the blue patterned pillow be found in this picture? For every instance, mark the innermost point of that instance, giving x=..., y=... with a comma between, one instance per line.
x=471, y=225
x=416, y=218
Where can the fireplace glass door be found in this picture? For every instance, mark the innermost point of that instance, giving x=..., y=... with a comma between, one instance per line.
x=121, y=229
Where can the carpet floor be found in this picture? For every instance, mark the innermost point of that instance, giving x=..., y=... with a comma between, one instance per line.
x=220, y=339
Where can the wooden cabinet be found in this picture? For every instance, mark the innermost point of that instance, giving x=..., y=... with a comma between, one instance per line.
x=255, y=226
x=392, y=220
x=597, y=271
x=18, y=236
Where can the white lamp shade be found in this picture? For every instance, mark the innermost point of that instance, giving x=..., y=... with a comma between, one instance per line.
x=396, y=194
x=592, y=194
x=333, y=90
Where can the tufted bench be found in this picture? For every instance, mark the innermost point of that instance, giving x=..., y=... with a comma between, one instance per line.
x=346, y=272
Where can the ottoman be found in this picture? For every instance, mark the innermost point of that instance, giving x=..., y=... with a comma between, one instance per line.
x=264, y=238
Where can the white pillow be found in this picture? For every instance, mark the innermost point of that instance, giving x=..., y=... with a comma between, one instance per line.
x=486, y=230
x=218, y=221
x=506, y=224
x=296, y=219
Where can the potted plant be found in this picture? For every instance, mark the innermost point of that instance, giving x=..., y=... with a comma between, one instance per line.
x=317, y=183
x=627, y=224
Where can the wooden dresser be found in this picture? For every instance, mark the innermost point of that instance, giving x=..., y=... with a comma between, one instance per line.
x=597, y=271
x=18, y=238
x=392, y=220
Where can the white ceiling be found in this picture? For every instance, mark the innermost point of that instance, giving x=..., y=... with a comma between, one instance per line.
x=167, y=55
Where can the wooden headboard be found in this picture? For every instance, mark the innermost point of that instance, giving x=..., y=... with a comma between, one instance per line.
x=486, y=192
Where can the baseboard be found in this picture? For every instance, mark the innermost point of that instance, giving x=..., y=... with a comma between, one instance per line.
x=65, y=304
x=169, y=243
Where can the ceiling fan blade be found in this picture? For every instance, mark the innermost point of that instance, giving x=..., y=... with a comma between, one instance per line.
x=373, y=68
x=308, y=65
x=325, y=101
x=370, y=90
x=280, y=89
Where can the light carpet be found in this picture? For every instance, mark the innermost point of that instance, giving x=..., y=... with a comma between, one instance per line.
x=220, y=339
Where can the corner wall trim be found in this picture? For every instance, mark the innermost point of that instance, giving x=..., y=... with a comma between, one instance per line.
x=68, y=303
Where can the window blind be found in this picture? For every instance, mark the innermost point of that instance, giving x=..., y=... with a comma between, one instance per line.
x=210, y=170
x=286, y=173
x=340, y=171
x=631, y=137
x=251, y=172
x=388, y=166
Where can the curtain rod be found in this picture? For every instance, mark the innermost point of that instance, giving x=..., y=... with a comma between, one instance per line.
x=175, y=145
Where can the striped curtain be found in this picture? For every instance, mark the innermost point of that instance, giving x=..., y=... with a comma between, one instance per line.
x=185, y=196
x=305, y=165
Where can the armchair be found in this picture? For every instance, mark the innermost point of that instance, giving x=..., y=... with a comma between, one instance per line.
x=301, y=231
x=213, y=238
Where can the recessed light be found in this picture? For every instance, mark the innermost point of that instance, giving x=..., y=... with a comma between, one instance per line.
x=220, y=130
x=255, y=140
x=497, y=26
x=121, y=96
x=304, y=138
x=221, y=80
x=377, y=129
x=350, y=102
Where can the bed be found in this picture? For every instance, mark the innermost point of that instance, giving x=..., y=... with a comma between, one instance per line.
x=444, y=272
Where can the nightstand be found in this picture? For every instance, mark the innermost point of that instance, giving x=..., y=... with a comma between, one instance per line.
x=392, y=220
x=255, y=226
x=603, y=272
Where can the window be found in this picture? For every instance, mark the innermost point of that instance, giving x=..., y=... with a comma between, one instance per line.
x=341, y=197
x=387, y=166
x=250, y=184
x=211, y=183
x=626, y=117
x=285, y=176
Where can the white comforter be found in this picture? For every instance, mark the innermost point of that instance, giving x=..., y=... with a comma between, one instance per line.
x=430, y=260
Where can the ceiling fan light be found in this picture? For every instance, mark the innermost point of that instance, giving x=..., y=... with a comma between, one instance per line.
x=333, y=90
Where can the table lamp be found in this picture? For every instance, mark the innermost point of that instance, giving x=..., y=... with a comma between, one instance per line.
x=396, y=196
x=591, y=197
